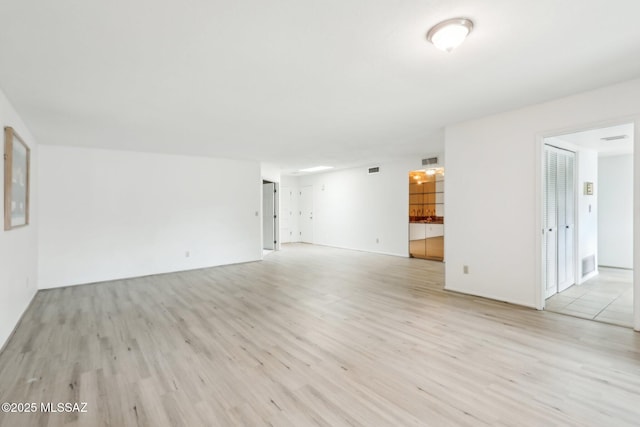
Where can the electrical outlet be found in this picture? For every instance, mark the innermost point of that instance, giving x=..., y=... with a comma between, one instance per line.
x=187, y=254
x=377, y=240
x=465, y=269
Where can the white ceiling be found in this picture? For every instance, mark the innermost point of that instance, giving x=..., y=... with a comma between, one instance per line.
x=297, y=83
x=592, y=139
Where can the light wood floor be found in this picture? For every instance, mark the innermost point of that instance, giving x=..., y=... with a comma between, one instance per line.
x=313, y=336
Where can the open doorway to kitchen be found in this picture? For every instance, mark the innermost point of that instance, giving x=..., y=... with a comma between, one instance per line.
x=588, y=224
x=426, y=214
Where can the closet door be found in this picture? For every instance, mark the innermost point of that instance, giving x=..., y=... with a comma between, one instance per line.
x=566, y=225
x=550, y=222
x=561, y=197
x=559, y=211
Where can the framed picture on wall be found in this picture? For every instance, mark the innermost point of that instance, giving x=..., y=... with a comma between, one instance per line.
x=16, y=180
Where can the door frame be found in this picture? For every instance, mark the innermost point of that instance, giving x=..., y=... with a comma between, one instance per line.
x=539, y=175
x=276, y=207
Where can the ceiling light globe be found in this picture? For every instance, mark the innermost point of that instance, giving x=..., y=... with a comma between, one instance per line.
x=449, y=34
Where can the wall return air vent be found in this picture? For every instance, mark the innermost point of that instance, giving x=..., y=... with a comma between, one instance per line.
x=374, y=170
x=588, y=264
x=431, y=161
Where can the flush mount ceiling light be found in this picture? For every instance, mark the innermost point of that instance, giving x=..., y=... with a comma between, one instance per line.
x=449, y=34
x=316, y=169
x=614, y=138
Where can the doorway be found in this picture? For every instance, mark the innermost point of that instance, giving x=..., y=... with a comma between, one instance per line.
x=602, y=253
x=306, y=214
x=269, y=216
x=426, y=214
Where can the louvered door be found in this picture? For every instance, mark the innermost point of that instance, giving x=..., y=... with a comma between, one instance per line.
x=566, y=268
x=551, y=222
x=558, y=221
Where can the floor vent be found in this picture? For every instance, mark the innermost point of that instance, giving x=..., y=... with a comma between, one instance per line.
x=588, y=264
x=374, y=170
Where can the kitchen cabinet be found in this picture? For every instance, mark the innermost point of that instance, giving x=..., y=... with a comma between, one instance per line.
x=426, y=198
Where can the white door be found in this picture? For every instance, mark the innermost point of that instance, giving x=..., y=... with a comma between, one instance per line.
x=306, y=214
x=558, y=221
x=561, y=197
x=286, y=215
x=566, y=268
x=550, y=222
x=268, y=216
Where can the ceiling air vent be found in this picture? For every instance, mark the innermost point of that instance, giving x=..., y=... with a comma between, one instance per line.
x=374, y=170
x=614, y=138
x=431, y=161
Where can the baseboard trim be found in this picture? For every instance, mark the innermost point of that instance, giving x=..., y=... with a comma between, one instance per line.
x=615, y=268
x=590, y=275
x=362, y=250
x=160, y=273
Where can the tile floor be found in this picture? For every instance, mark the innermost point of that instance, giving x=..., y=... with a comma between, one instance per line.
x=607, y=298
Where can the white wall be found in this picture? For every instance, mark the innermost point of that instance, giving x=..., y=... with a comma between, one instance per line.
x=587, y=162
x=114, y=214
x=352, y=208
x=270, y=172
x=615, y=211
x=18, y=247
x=493, y=188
